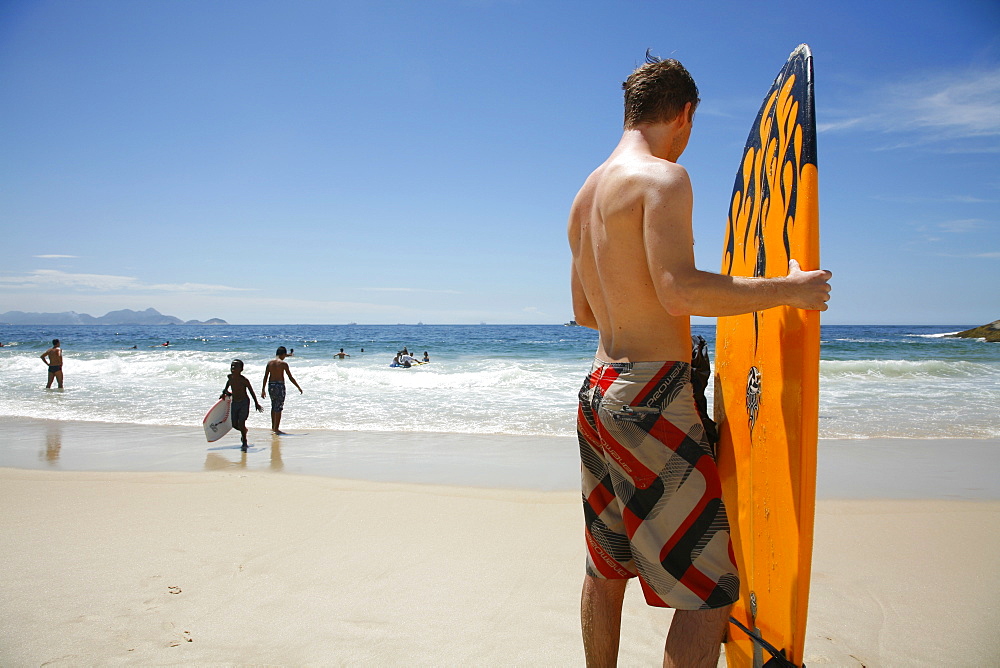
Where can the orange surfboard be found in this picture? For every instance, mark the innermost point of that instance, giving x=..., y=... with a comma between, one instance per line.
x=767, y=378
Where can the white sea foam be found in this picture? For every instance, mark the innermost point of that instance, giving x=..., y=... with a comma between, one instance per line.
x=942, y=335
x=830, y=369
x=177, y=387
x=907, y=398
x=872, y=383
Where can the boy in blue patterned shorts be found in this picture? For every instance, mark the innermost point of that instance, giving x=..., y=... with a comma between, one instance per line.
x=275, y=371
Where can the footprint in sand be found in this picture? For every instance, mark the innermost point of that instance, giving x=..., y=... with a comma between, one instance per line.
x=185, y=637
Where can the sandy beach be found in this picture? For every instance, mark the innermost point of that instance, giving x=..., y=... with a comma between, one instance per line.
x=257, y=565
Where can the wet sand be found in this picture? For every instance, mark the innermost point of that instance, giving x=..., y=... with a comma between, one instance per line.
x=851, y=469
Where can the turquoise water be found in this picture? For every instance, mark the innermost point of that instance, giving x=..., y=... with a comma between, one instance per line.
x=875, y=381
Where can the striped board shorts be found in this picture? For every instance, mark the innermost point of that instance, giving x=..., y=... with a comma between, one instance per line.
x=652, y=498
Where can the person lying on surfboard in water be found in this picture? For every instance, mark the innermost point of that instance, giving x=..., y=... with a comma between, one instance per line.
x=274, y=382
x=634, y=280
x=239, y=411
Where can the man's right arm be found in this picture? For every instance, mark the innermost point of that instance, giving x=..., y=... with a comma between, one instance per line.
x=683, y=289
x=704, y=293
x=263, y=385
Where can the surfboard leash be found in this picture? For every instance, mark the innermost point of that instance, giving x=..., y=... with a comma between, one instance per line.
x=777, y=659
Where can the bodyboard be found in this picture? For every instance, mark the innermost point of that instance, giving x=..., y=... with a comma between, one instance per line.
x=218, y=420
x=767, y=375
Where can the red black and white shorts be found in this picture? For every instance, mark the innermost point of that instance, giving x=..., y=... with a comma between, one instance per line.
x=652, y=498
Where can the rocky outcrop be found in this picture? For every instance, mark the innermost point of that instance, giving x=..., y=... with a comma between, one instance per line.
x=990, y=332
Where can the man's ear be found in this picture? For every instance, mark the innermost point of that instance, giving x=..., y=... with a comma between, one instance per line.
x=686, y=115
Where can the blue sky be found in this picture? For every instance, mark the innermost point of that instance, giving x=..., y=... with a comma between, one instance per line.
x=384, y=162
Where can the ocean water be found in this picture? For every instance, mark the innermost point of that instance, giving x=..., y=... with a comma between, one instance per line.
x=875, y=381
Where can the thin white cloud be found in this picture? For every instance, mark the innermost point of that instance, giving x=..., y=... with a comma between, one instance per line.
x=413, y=290
x=56, y=257
x=963, y=107
x=990, y=255
x=193, y=287
x=847, y=123
x=945, y=199
x=968, y=108
x=51, y=279
x=963, y=225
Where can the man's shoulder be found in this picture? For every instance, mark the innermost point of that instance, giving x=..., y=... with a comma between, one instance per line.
x=631, y=181
x=641, y=174
x=643, y=168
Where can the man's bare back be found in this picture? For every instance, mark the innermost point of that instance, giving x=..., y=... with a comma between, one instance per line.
x=275, y=371
x=610, y=262
x=53, y=356
x=634, y=278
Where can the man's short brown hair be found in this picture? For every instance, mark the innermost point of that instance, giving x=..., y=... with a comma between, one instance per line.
x=657, y=92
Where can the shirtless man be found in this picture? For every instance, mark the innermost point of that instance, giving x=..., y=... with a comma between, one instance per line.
x=53, y=357
x=652, y=503
x=275, y=371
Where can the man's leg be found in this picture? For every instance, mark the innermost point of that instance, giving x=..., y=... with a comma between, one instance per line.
x=601, y=619
x=58, y=378
x=695, y=638
x=52, y=377
x=275, y=421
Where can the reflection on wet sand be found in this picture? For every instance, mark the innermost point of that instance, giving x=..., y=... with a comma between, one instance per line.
x=53, y=443
x=276, y=463
x=217, y=459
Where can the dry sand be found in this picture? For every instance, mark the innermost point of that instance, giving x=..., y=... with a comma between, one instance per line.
x=262, y=568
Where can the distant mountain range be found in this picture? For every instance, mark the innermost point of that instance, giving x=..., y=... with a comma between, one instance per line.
x=124, y=317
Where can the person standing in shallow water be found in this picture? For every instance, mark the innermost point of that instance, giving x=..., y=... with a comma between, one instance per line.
x=274, y=382
x=651, y=491
x=53, y=357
